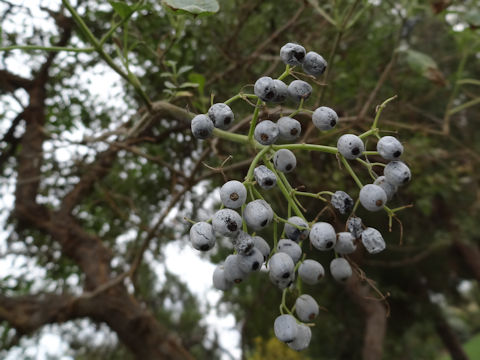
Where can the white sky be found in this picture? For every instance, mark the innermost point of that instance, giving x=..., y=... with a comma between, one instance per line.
x=180, y=260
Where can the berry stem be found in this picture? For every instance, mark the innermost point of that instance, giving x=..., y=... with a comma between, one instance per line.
x=284, y=302
x=238, y=138
x=379, y=111
x=254, y=163
x=130, y=77
x=284, y=190
x=350, y=171
x=253, y=123
x=239, y=96
x=285, y=73
x=313, y=147
x=355, y=206
x=300, y=108
x=313, y=195
x=367, y=133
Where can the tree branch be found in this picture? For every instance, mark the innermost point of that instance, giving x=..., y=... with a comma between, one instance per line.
x=28, y=313
x=10, y=82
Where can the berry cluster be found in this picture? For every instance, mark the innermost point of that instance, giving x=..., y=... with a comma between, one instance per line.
x=244, y=212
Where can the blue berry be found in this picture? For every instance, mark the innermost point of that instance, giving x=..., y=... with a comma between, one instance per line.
x=281, y=91
x=243, y=243
x=285, y=328
x=372, y=197
x=302, y=339
x=281, y=266
x=262, y=245
x=389, y=188
x=233, y=194
x=323, y=236
x=389, y=148
x=350, y=146
x=354, y=225
x=221, y=115
x=290, y=248
x=292, y=230
x=227, y=222
x=397, y=173
x=265, y=177
x=314, y=64
x=284, y=160
x=232, y=271
x=202, y=127
x=311, y=271
x=299, y=89
x=290, y=129
x=219, y=280
x=202, y=236
x=340, y=269
x=292, y=54
x=251, y=262
x=266, y=132
x=264, y=88
x=257, y=214
x=342, y=202
x=372, y=240
x=306, y=308
x=324, y=118
x=345, y=243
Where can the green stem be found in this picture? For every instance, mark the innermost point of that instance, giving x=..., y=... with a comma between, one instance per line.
x=254, y=163
x=47, y=48
x=313, y=147
x=350, y=171
x=253, y=123
x=355, y=207
x=120, y=23
x=96, y=44
x=368, y=133
x=226, y=135
x=464, y=106
x=453, y=95
x=284, y=302
x=313, y=195
x=275, y=236
x=240, y=96
x=285, y=73
x=284, y=190
x=379, y=111
x=300, y=106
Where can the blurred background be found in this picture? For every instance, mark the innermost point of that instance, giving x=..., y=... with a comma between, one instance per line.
x=94, y=253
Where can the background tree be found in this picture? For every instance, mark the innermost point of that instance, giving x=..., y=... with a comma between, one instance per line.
x=94, y=220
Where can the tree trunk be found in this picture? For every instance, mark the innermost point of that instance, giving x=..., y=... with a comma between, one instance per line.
x=375, y=315
x=449, y=339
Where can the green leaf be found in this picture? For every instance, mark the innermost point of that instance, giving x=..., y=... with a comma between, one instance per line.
x=183, y=94
x=469, y=82
x=195, y=7
x=184, y=69
x=169, y=85
x=198, y=79
x=188, y=84
x=420, y=62
x=121, y=9
x=424, y=65
x=473, y=17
